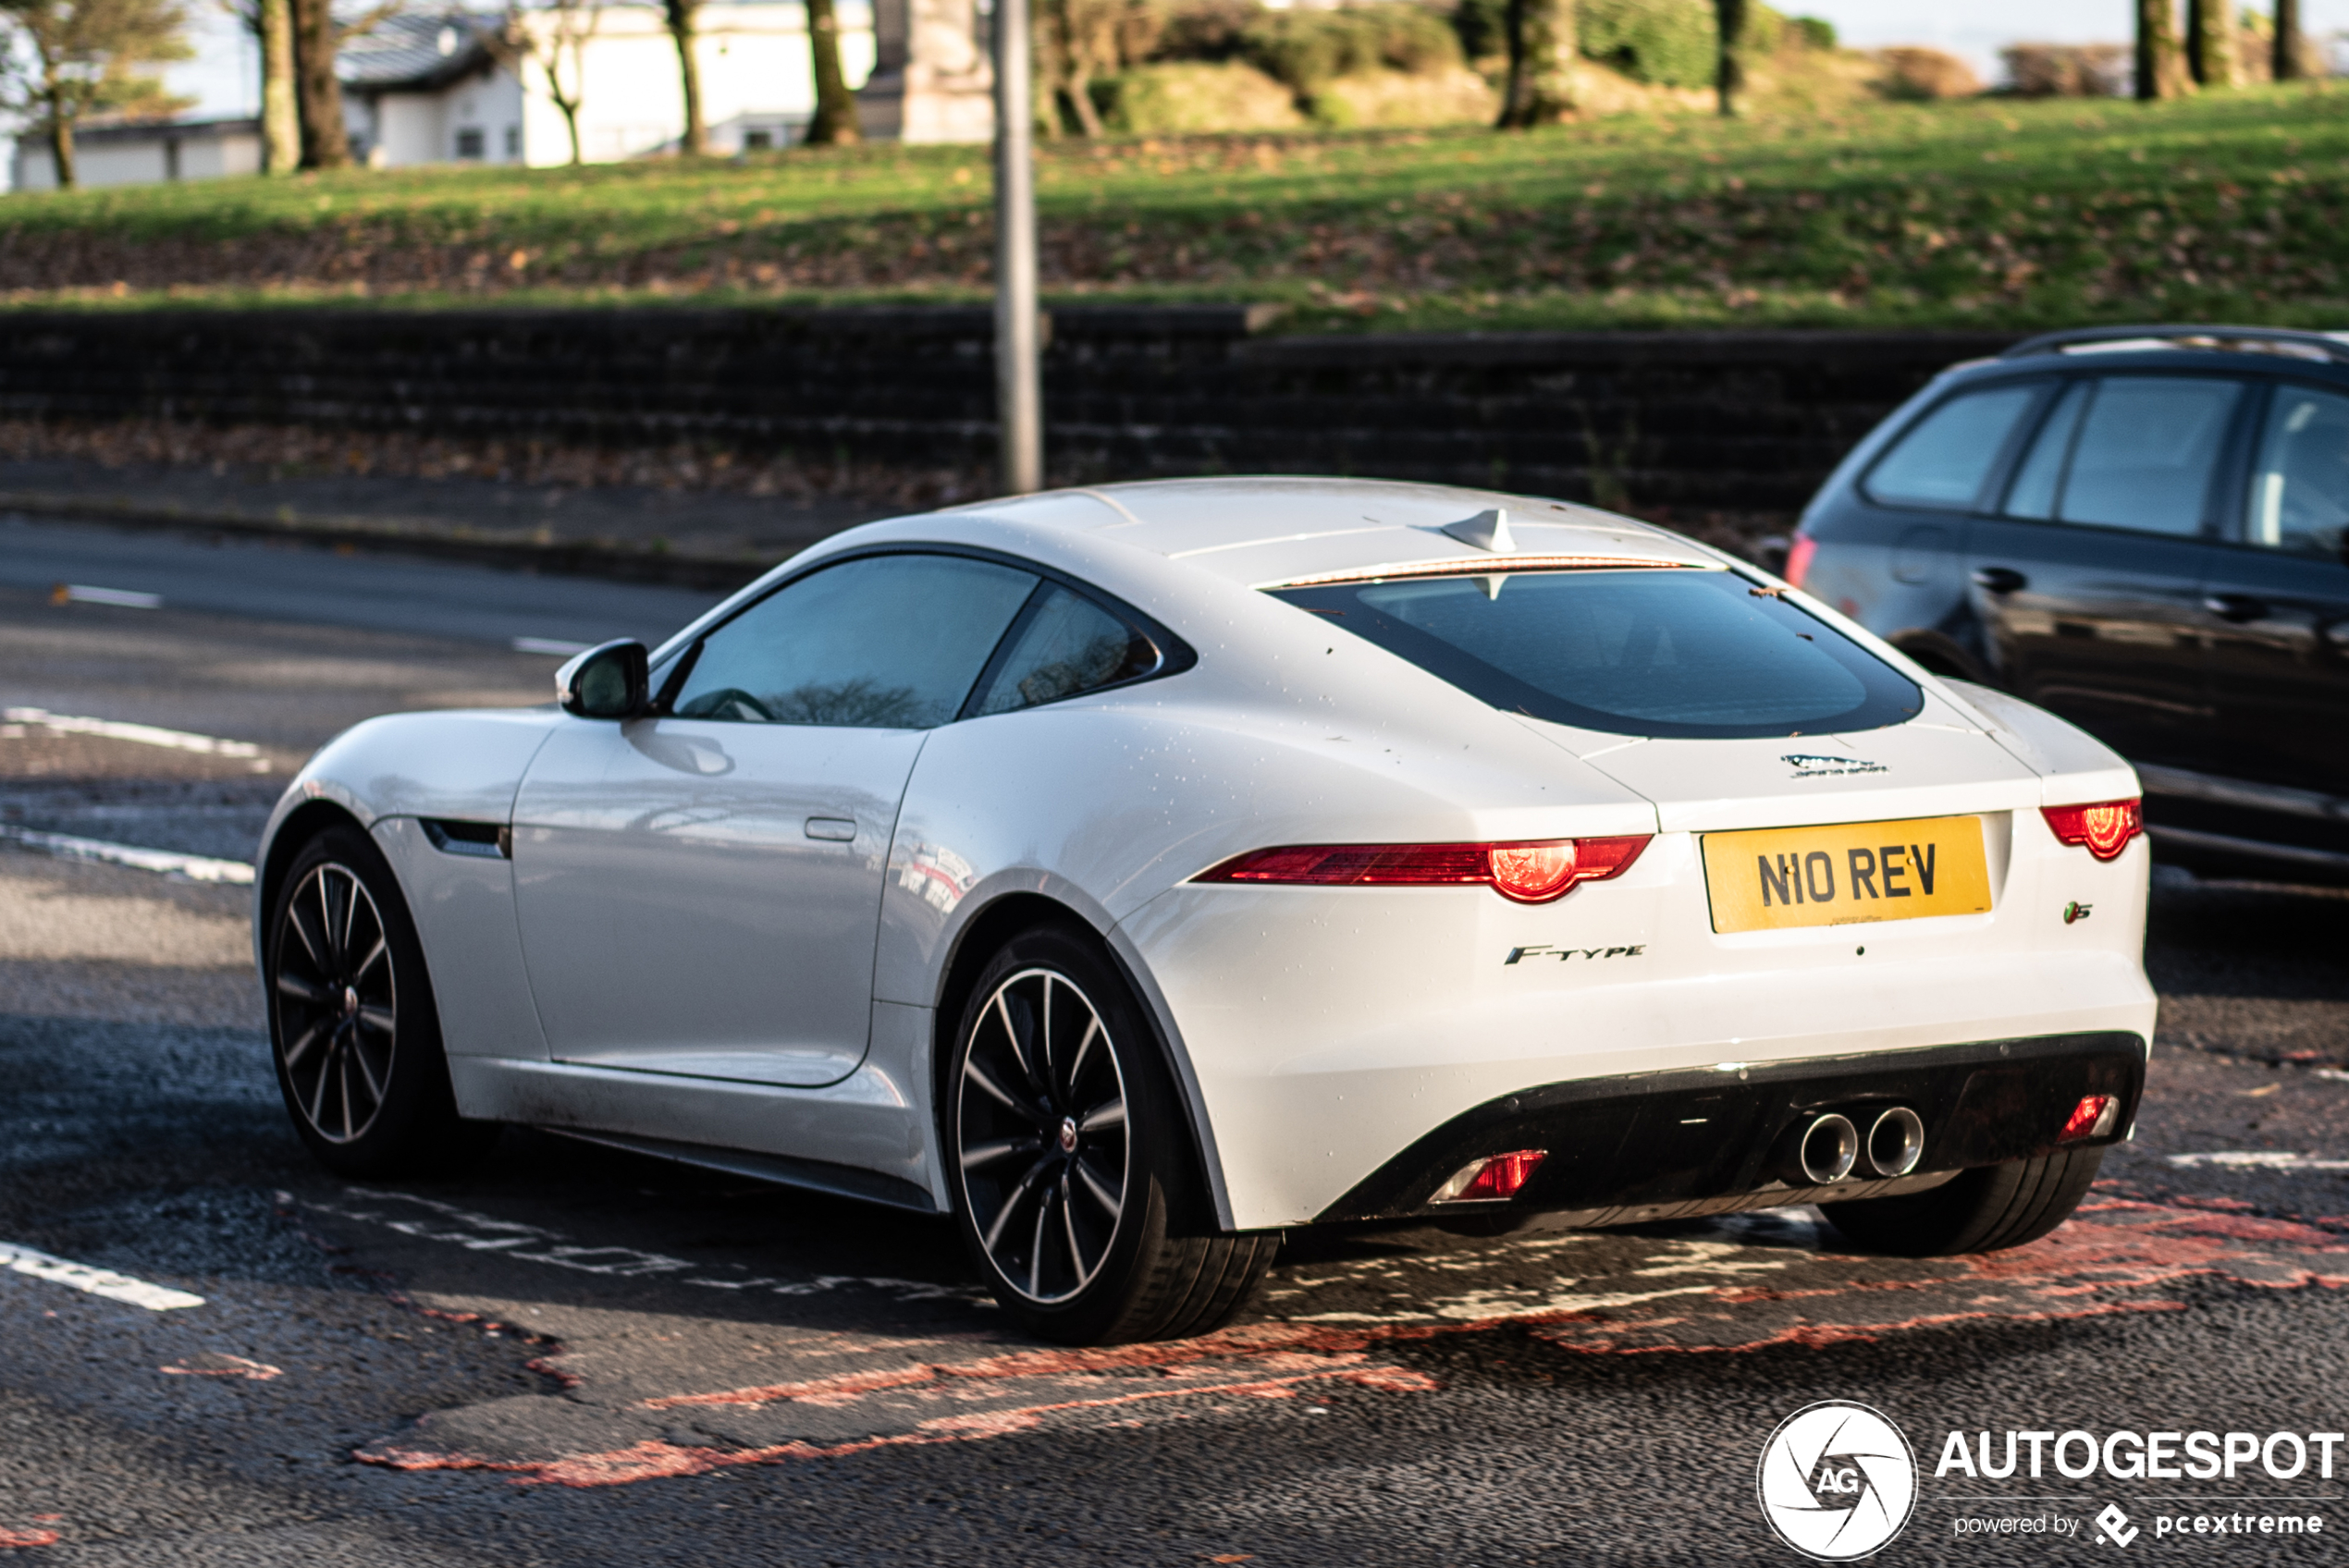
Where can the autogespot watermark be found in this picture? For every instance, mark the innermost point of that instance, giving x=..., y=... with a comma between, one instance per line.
x=1838, y=1480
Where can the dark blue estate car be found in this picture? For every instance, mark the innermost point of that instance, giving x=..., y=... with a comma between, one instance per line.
x=2140, y=528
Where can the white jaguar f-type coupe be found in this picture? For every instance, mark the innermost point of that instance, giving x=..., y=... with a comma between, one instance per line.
x=1137, y=873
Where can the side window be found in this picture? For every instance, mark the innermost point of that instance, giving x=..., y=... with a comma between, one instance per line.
x=1944, y=460
x=2300, y=486
x=883, y=643
x=2036, y=484
x=1070, y=644
x=2145, y=451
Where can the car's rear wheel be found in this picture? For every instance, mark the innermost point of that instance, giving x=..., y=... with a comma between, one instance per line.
x=1071, y=1166
x=352, y=1026
x=1983, y=1209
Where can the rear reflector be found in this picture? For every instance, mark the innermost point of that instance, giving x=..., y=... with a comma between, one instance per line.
x=1529, y=873
x=1798, y=559
x=1491, y=1177
x=2092, y=1118
x=2103, y=830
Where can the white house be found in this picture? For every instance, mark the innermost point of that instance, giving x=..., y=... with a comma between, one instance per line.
x=142, y=152
x=454, y=88
x=427, y=90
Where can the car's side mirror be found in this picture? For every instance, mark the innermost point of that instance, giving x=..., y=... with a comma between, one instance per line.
x=606, y=681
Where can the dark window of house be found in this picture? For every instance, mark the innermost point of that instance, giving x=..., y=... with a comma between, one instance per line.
x=469, y=144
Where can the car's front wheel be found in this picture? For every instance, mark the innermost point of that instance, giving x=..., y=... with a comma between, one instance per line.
x=351, y=1021
x=1071, y=1167
x=1985, y=1209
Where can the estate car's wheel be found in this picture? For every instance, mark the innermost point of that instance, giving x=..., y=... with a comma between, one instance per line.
x=351, y=1021
x=1072, y=1172
x=1985, y=1209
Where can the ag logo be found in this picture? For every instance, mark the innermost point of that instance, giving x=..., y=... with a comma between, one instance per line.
x=1837, y=1480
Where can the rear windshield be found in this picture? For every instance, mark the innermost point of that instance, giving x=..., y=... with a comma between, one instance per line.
x=1661, y=652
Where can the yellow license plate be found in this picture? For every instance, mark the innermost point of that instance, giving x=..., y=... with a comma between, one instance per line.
x=1846, y=875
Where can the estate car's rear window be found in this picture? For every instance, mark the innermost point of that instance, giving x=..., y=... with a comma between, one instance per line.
x=1666, y=652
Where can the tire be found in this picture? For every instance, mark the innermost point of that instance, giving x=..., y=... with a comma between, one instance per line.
x=1073, y=1183
x=1985, y=1209
x=353, y=1027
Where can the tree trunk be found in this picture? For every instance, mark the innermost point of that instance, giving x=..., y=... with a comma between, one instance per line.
x=569, y=111
x=2288, y=64
x=683, y=14
x=61, y=146
x=2210, y=42
x=835, y=121
x=1539, y=35
x=280, y=119
x=2161, y=69
x=326, y=143
x=1728, y=78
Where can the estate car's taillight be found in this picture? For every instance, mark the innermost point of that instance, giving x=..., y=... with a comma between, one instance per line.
x=1798, y=559
x=1530, y=873
x=2104, y=830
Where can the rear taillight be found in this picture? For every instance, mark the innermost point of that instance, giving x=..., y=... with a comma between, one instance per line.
x=2093, y=1117
x=1491, y=1177
x=1529, y=873
x=2104, y=830
x=1798, y=559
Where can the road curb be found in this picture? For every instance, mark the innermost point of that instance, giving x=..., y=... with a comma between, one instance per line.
x=405, y=536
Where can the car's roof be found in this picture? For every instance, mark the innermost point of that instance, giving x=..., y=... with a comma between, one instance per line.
x=1260, y=532
x=2234, y=349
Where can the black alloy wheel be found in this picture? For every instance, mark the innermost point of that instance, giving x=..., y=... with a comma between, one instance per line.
x=353, y=1025
x=1040, y=1107
x=338, y=1000
x=1073, y=1177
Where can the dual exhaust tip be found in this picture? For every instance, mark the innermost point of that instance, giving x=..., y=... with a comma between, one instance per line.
x=1831, y=1148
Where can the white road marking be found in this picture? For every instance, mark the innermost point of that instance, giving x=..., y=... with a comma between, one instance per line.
x=482, y=1232
x=122, y=598
x=195, y=868
x=2261, y=1159
x=96, y=1281
x=144, y=734
x=553, y=645
x=2334, y=1073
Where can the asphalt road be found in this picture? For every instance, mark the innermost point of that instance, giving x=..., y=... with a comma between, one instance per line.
x=571, y=1356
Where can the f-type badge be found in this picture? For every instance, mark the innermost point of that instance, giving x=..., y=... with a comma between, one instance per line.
x=1809, y=766
x=2075, y=912
x=1566, y=955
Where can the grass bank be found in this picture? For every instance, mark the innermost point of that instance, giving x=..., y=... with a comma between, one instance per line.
x=1985, y=213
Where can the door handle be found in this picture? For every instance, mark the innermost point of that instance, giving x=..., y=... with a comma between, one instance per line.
x=1999, y=580
x=834, y=829
x=2235, y=608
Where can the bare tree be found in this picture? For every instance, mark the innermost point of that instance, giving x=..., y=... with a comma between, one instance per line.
x=684, y=21
x=2161, y=66
x=2210, y=42
x=1540, y=36
x=2289, y=63
x=835, y=122
x=554, y=38
x=91, y=57
x=1728, y=71
x=271, y=24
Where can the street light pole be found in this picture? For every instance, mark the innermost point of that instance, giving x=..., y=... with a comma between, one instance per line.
x=1019, y=394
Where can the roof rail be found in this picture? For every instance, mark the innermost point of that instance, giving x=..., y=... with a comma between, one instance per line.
x=2291, y=342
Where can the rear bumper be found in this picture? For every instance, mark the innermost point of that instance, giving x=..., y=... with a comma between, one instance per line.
x=1644, y=1146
